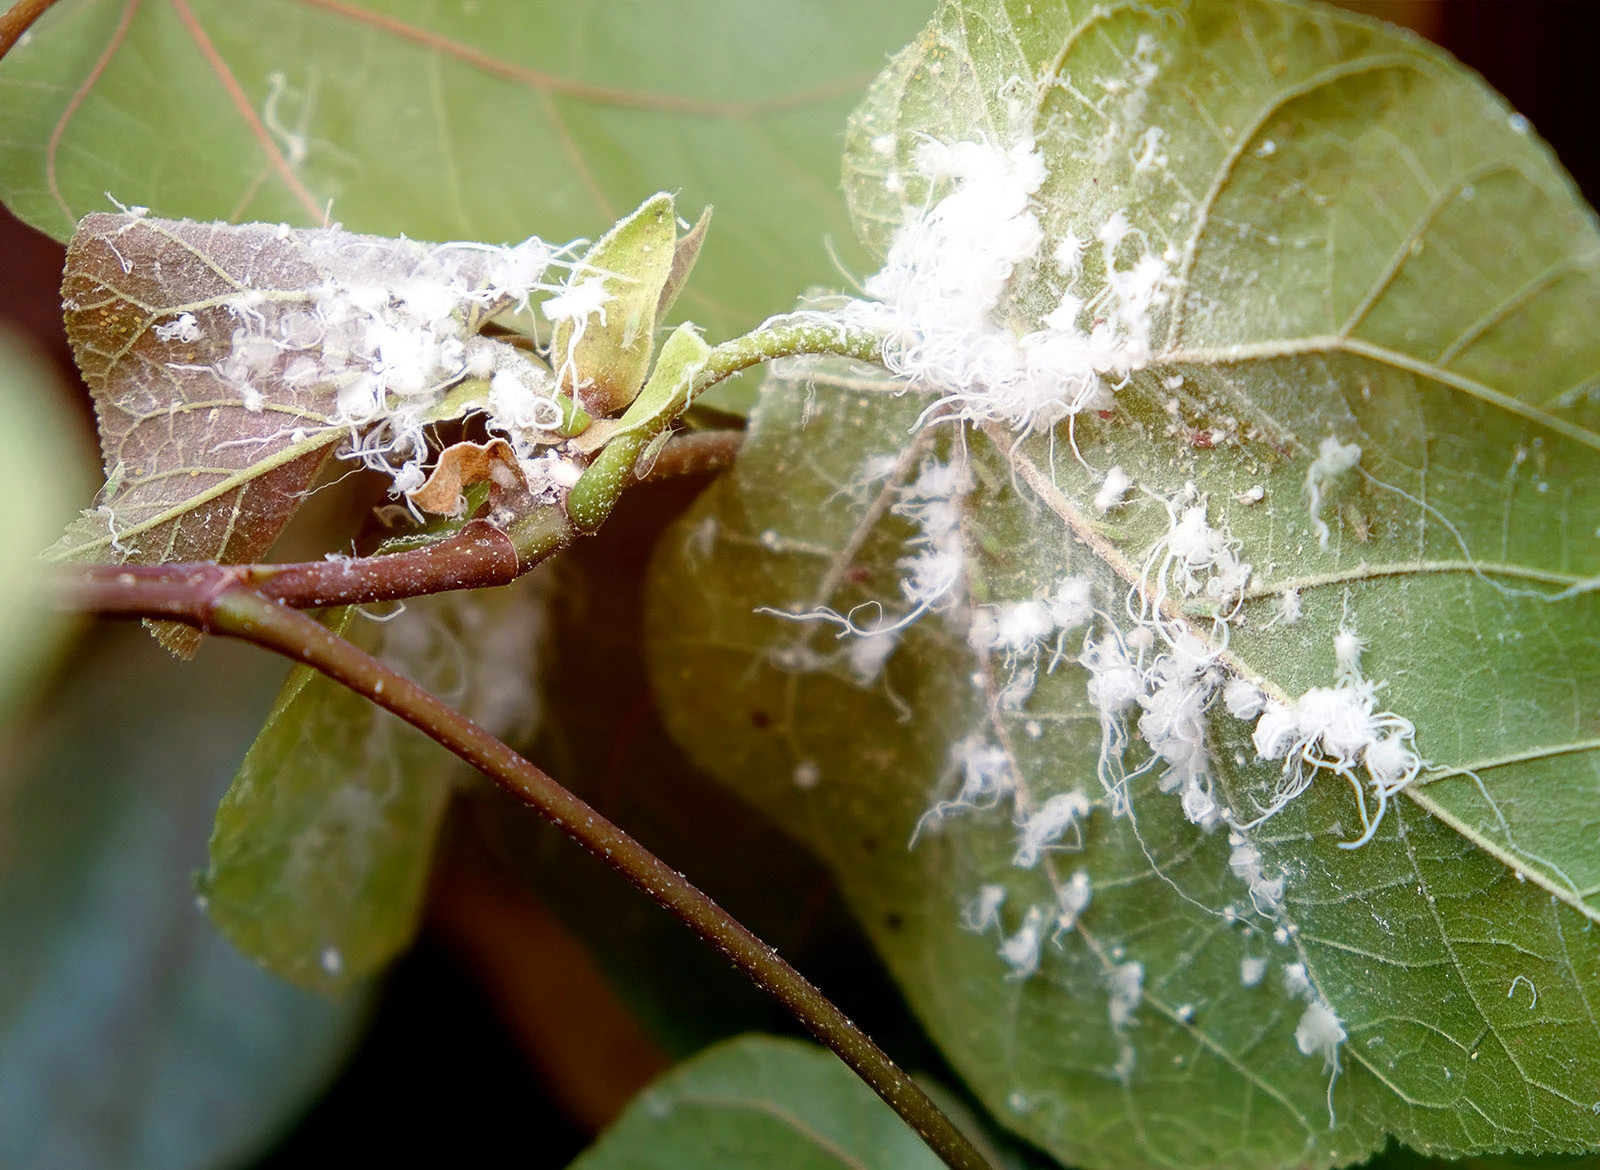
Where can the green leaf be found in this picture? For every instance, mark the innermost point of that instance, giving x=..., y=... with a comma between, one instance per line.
x=1363, y=244
x=44, y=466
x=610, y=355
x=321, y=848
x=451, y=122
x=758, y=1101
x=131, y=1034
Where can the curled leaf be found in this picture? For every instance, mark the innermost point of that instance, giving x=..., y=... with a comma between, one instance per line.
x=463, y=464
x=606, y=317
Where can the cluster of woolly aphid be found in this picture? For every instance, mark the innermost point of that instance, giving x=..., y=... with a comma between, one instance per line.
x=1151, y=673
x=390, y=326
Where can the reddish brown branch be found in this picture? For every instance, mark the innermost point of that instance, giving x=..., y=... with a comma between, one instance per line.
x=693, y=453
x=477, y=557
x=240, y=613
x=18, y=19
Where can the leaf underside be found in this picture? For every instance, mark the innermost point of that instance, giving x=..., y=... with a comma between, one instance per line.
x=1404, y=268
x=321, y=849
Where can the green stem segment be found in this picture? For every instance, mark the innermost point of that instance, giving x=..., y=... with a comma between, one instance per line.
x=241, y=613
x=593, y=496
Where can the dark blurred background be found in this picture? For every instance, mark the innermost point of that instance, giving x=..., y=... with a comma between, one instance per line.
x=447, y=1072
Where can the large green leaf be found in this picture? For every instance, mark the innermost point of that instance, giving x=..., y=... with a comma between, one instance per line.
x=1362, y=244
x=131, y=1034
x=457, y=121
x=758, y=1101
x=321, y=849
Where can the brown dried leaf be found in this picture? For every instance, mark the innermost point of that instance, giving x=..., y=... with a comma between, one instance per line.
x=464, y=464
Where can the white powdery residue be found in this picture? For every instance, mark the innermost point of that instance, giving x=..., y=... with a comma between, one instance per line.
x=983, y=911
x=1127, y=990
x=1046, y=825
x=1074, y=900
x=1021, y=950
x=806, y=775
x=1113, y=490
x=1150, y=152
x=1252, y=971
x=1334, y=459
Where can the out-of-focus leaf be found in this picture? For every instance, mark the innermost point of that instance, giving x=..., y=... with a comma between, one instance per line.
x=43, y=468
x=483, y=122
x=321, y=849
x=1352, y=239
x=759, y=1101
x=131, y=1034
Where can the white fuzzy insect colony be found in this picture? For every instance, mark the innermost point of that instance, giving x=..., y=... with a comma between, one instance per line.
x=940, y=305
x=388, y=326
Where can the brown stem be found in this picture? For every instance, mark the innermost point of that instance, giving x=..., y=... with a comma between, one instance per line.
x=17, y=20
x=693, y=453
x=238, y=612
x=478, y=556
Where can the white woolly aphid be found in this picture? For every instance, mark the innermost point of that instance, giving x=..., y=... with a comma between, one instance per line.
x=1021, y=950
x=1334, y=459
x=1073, y=899
x=1244, y=859
x=1127, y=990
x=931, y=572
x=983, y=911
x=1113, y=489
x=1045, y=826
x=1339, y=729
